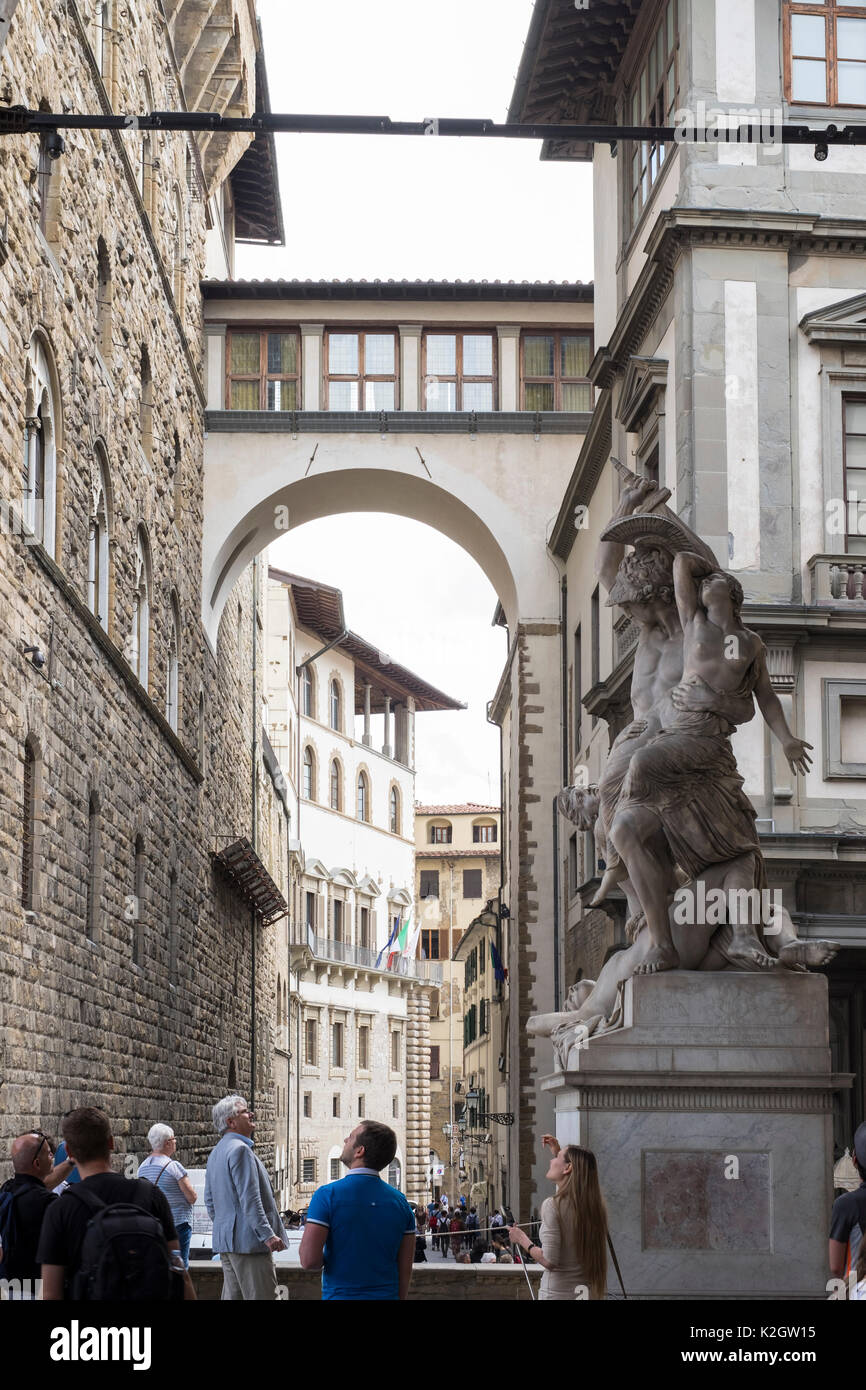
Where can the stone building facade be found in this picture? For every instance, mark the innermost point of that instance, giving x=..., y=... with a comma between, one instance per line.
x=134, y=973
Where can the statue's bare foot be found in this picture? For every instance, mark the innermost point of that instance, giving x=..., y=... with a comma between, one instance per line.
x=747, y=953
x=805, y=955
x=658, y=958
x=610, y=879
x=634, y=925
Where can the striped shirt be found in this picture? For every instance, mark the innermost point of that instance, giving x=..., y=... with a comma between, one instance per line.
x=164, y=1172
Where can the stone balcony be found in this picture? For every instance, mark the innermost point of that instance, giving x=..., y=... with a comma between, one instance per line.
x=838, y=581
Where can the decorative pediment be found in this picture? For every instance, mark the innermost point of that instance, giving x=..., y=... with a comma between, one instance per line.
x=345, y=877
x=369, y=887
x=843, y=323
x=403, y=896
x=314, y=868
x=644, y=378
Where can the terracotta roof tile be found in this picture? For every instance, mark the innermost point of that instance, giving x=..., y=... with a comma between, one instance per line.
x=464, y=808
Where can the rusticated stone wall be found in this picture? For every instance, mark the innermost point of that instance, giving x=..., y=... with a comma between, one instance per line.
x=82, y=1020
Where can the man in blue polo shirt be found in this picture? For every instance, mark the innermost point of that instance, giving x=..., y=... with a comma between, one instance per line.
x=359, y=1231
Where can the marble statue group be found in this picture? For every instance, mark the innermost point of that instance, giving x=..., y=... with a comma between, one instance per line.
x=670, y=818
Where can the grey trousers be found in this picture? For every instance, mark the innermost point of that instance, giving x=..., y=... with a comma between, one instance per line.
x=249, y=1277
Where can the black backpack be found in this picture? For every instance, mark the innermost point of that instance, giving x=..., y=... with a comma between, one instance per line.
x=125, y=1255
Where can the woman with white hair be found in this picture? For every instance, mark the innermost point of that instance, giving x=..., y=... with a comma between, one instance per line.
x=170, y=1176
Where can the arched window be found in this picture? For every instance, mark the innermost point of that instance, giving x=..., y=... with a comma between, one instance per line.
x=103, y=299
x=172, y=682
x=394, y=811
x=138, y=901
x=91, y=916
x=336, y=703
x=141, y=610
x=145, y=403
x=307, y=692
x=363, y=797
x=28, y=844
x=309, y=786
x=336, y=786
x=98, y=537
x=39, y=473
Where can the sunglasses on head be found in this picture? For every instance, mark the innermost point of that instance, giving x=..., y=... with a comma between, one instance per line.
x=43, y=1139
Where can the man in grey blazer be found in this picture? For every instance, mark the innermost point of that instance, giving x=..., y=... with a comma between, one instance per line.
x=247, y=1229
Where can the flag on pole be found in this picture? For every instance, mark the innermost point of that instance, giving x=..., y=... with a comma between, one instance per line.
x=388, y=944
x=401, y=941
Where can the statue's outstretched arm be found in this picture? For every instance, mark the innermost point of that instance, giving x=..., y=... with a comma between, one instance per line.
x=771, y=708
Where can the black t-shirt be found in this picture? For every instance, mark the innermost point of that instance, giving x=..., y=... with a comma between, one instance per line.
x=65, y=1223
x=31, y=1201
x=848, y=1221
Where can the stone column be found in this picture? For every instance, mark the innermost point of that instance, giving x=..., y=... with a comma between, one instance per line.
x=215, y=367
x=368, y=738
x=410, y=367
x=312, y=335
x=509, y=366
x=386, y=744
x=417, y=1093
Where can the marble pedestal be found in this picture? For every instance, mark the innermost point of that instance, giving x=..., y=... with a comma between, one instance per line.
x=710, y=1114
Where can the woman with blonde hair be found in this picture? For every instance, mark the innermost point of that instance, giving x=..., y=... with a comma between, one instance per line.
x=572, y=1244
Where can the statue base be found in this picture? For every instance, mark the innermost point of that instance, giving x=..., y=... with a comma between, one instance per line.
x=710, y=1115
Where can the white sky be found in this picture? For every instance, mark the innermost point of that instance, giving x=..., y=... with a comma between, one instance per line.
x=381, y=206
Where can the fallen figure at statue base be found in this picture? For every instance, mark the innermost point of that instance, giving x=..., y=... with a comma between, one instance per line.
x=595, y=1006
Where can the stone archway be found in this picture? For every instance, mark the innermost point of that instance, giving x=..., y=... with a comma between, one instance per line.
x=496, y=495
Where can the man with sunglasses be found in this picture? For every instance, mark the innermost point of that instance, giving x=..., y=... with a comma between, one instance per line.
x=32, y=1159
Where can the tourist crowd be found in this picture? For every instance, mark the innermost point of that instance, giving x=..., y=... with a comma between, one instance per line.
x=73, y=1229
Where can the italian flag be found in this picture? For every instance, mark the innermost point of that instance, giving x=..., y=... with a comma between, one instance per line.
x=406, y=940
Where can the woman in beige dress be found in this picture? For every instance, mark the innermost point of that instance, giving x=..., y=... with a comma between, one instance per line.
x=572, y=1243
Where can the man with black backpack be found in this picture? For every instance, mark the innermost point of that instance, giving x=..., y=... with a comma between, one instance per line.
x=24, y=1201
x=108, y=1238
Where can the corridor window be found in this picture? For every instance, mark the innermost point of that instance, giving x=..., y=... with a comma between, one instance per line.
x=459, y=371
x=361, y=371
x=263, y=371
x=652, y=101
x=555, y=367
x=825, y=53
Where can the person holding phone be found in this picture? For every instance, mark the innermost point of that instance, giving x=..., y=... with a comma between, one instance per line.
x=572, y=1242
